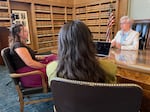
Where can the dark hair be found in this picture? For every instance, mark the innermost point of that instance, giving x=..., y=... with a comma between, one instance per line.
x=76, y=54
x=14, y=33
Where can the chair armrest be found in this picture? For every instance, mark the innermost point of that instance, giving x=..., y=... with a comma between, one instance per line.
x=44, y=83
x=17, y=75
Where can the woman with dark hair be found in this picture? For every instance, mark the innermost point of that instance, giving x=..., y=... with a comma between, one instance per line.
x=76, y=56
x=24, y=59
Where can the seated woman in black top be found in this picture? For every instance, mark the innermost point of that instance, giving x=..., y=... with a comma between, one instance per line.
x=24, y=59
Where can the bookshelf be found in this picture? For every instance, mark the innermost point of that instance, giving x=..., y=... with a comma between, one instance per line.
x=4, y=13
x=58, y=15
x=69, y=14
x=48, y=16
x=44, y=26
x=96, y=15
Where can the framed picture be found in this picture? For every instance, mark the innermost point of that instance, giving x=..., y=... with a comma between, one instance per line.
x=21, y=17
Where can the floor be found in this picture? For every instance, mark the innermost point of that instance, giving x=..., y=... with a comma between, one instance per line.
x=9, y=97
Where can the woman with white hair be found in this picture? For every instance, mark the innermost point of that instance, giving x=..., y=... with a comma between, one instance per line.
x=126, y=38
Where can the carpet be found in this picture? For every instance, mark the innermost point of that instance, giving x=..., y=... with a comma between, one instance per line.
x=9, y=97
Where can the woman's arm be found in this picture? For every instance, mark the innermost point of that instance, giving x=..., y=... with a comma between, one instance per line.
x=114, y=41
x=134, y=45
x=26, y=57
x=51, y=70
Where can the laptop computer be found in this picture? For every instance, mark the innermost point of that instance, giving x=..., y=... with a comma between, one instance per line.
x=102, y=48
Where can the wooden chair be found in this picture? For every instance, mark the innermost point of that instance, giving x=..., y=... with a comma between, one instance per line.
x=24, y=92
x=79, y=96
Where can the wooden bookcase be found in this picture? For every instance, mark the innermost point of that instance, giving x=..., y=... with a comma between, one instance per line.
x=4, y=13
x=93, y=19
x=69, y=14
x=49, y=18
x=44, y=28
x=96, y=16
x=58, y=15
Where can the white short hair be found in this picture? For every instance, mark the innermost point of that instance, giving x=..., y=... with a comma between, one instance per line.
x=125, y=18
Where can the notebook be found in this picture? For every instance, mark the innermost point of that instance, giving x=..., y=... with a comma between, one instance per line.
x=102, y=48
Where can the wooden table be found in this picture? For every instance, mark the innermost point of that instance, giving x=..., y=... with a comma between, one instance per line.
x=134, y=67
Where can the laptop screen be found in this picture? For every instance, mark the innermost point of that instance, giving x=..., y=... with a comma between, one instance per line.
x=102, y=48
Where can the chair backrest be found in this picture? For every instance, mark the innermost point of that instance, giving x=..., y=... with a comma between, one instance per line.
x=5, y=53
x=79, y=96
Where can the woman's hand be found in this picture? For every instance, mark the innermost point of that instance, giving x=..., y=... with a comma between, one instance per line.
x=40, y=57
x=118, y=45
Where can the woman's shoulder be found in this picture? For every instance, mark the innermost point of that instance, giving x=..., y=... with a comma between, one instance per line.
x=18, y=44
x=110, y=68
x=119, y=32
x=51, y=70
x=51, y=66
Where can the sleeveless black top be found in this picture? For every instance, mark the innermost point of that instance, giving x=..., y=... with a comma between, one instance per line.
x=17, y=61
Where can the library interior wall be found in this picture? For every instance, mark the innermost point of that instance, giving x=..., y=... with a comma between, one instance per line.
x=92, y=10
